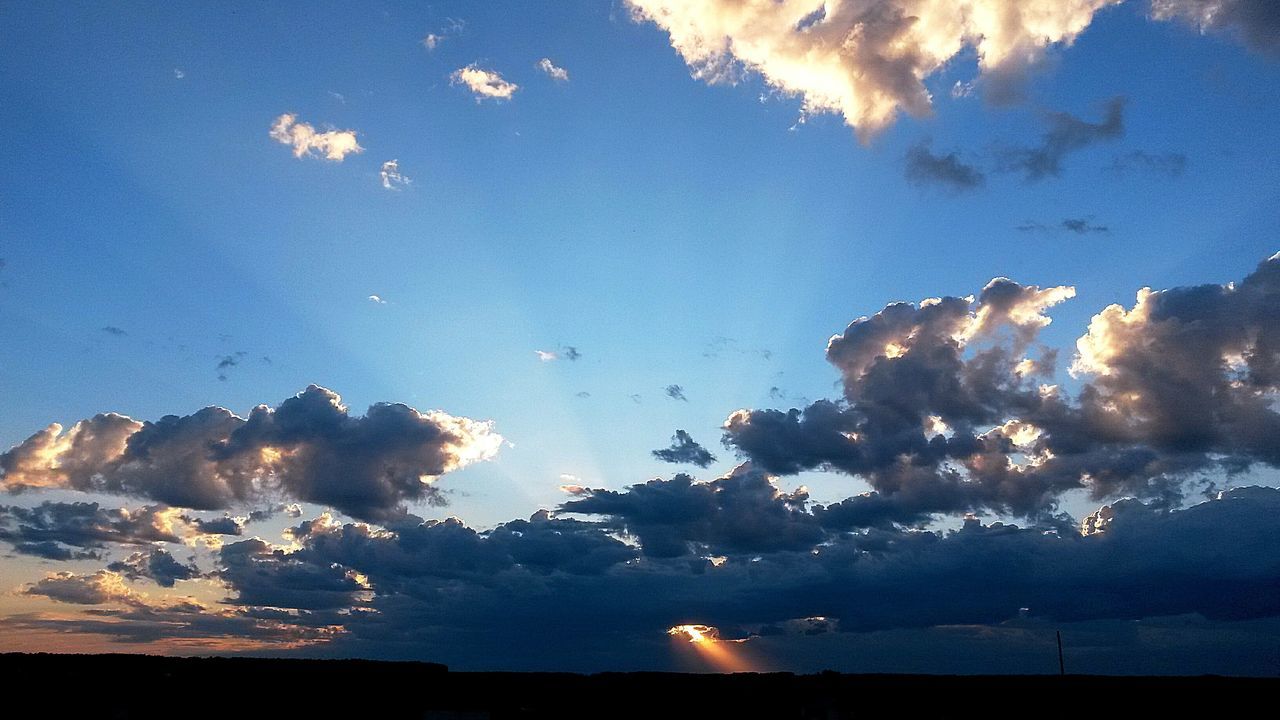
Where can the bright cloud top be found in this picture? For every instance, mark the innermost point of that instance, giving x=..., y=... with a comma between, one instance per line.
x=484, y=84
x=863, y=60
x=332, y=144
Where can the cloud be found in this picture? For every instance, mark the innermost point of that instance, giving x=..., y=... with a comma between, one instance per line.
x=1257, y=22
x=571, y=353
x=675, y=392
x=113, y=330
x=547, y=590
x=50, y=528
x=924, y=168
x=945, y=409
x=684, y=449
x=1066, y=134
x=432, y=40
x=742, y=512
x=1082, y=226
x=391, y=177
x=101, y=587
x=546, y=355
x=308, y=448
x=178, y=74
x=1168, y=164
x=558, y=74
x=306, y=141
x=226, y=362
x=484, y=84
x=158, y=565
x=863, y=61
x=377, y=300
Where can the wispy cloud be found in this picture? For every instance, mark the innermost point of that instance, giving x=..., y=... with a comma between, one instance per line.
x=332, y=144
x=484, y=84
x=377, y=299
x=554, y=72
x=675, y=392
x=924, y=168
x=433, y=40
x=392, y=178
x=1065, y=135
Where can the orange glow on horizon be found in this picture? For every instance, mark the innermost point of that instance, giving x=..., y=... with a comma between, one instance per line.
x=719, y=654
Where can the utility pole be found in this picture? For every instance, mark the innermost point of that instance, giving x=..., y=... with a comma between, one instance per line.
x=1062, y=668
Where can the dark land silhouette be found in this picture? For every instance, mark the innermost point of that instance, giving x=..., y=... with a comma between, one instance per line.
x=127, y=686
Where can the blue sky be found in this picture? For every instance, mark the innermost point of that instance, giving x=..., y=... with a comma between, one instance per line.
x=673, y=231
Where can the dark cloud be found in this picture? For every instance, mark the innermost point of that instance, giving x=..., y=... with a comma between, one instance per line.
x=582, y=394
x=742, y=512
x=225, y=525
x=157, y=565
x=50, y=550
x=226, y=362
x=550, y=591
x=1066, y=134
x=925, y=168
x=946, y=411
x=50, y=529
x=1083, y=226
x=675, y=392
x=684, y=449
x=308, y=448
x=570, y=353
x=113, y=330
x=1257, y=22
x=1170, y=164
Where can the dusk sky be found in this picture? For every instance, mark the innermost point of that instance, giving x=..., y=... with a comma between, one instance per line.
x=703, y=335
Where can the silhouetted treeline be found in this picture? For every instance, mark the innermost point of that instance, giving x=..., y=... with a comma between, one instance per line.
x=128, y=686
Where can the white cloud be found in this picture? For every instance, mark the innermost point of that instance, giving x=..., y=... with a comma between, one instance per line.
x=556, y=73
x=484, y=83
x=432, y=40
x=333, y=144
x=392, y=179
x=546, y=355
x=862, y=60
x=178, y=74
x=377, y=299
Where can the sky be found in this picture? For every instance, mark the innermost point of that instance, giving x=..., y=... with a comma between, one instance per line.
x=870, y=335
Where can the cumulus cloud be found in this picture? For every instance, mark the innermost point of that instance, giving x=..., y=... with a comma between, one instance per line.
x=484, y=84
x=432, y=40
x=392, y=179
x=742, y=512
x=865, y=61
x=308, y=448
x=684, y=449
x=157, y=564
x=307, y=141
x=1065, y=135
x=558, y=74
x=946, y=408
x=925, y=168
x=101, y=587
